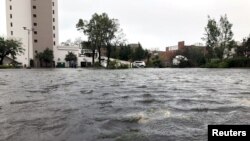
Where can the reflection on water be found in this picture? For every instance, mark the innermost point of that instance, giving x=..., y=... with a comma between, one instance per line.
x=120, y=105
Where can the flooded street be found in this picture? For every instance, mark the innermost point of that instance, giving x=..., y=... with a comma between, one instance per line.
x=120, y=105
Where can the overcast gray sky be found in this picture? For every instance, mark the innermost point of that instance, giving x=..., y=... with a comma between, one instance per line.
x=153, y=23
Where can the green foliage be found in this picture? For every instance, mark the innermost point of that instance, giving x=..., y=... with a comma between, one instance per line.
x=125, y=53
x=244, y=49
x=124, y=66
x=147, y=55
x=212, y=33
x=195, y=56
x=117, y=65
x=139, y=53
x=219, y=51
x=229, y=63
x=100, y=31
x=10, y=47
x=213, y=64
x=70, y=57
x=226, y=34
x=115, y=52
x=238, y=62
x=184, y=64
x=156, y=62
x=113, y=65
x=96, y=65
x=46, y=57
x=218, y=37
x=6, y=67
x=87, y=45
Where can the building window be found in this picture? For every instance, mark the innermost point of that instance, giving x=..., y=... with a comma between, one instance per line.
x=54, y=27
x=10, y=7
x=54, y=20
x=35, y=40
x=54, y=43
x=34, y=15
x=11, y=16
x=11, y=24
x=54, y=35
x=53, y=3
x=34, y=7
x=35, y=24
x=35, y=32
x=53, y=11
x=11, y=33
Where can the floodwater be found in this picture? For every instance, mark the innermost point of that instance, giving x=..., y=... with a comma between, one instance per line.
x=120, y=105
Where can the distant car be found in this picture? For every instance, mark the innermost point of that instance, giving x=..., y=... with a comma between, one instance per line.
x=139, y=64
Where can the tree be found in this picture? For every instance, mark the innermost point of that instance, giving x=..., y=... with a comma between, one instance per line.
x=100, y=31
x=157, y=62
x=10, y=47
x=77, y=42
x=218, y=37
x=125, y=53
x=139, y=53
x=46, y=56
x=212, y=33
x=88, y=30
x=67, y=43
x=71, y=58
x=195, y=56
x=148, y=55
x=115, y=52
x=226, y=34
x=117, y=39
x=89, y=45
x=225, y=38
x=244, y=49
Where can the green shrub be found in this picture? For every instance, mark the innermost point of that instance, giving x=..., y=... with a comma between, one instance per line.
x=238, y=62
x=124, y=66
x=223, y=64
x=112, y=64
x=97, y=65
x=229, y=63
x=117, y=65
x=6, y=67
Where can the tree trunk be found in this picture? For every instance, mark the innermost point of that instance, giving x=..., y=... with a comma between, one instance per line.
x=99, y=57
x=1, y=60
x=108, y=54
x=93, y=57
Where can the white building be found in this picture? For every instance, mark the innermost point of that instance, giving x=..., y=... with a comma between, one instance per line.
x=35, y=23
x=84, y=56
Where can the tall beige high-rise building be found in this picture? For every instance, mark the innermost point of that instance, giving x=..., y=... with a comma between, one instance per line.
x=35, y=23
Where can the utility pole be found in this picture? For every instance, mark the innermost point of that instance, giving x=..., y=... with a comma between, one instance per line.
x=28, y=30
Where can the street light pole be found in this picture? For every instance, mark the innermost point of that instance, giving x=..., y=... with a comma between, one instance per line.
x=29, y=30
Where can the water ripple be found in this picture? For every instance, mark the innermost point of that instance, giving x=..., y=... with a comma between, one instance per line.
x=120, y=105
